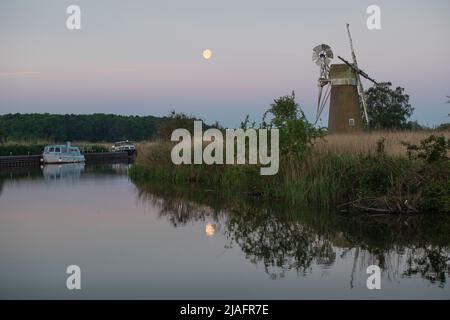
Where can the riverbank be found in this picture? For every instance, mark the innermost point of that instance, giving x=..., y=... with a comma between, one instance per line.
x=376, y=180
x=25, y=148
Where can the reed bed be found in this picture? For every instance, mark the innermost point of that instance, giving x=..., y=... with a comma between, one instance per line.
x=340, y=172
x=366, y=143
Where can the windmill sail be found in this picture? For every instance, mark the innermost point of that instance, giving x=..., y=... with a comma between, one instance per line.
x=359, y=71
x=358, y=78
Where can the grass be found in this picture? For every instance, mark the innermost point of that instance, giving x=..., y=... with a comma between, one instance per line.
x=366, y=143
x=341, y=171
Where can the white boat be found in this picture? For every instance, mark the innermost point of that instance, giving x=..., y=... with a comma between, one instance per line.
x=124, y=146
x=62, y=154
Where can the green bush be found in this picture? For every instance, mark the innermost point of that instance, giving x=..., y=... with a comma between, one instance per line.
x=432, y=149
x=297, y=134
x=436, y=197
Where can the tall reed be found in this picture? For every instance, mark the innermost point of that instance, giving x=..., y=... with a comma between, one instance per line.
x=339, y=169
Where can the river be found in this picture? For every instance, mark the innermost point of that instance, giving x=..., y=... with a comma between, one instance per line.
x=156, y=241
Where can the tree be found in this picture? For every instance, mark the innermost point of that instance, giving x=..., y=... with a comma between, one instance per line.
x=296, y=133
x=388, y=108
x=2, y=136
x=175, y=121
x=93, y=127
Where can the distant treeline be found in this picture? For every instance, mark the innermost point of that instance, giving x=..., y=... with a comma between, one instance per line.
x=71, y=127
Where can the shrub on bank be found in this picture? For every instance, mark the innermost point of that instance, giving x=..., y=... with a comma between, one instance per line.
x=374, y=182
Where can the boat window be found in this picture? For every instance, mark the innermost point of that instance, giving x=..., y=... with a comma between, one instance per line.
x=58, y=150
x=51, y=149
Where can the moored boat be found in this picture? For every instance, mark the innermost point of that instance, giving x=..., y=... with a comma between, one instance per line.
x=124, y=146
x=62, y=154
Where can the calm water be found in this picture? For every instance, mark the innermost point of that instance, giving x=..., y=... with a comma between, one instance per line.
x=154, y=241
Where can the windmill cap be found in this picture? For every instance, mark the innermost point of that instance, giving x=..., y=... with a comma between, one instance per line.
x=342, y=74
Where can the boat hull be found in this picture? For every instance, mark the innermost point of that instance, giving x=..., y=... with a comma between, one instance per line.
x=59, y=158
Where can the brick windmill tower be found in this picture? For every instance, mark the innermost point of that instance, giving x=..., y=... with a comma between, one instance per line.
x=341, y=85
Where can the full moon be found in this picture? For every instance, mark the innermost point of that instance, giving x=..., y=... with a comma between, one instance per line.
x=207, y=54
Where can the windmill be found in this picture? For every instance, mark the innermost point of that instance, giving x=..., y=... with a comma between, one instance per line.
x=342, y=85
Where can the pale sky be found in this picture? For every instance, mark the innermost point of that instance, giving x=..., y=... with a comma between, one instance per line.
x=145, y=57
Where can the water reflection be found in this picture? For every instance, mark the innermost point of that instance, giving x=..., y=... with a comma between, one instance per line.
x=210, y=229
x=68, y=172
x=282, y=239
x=159, y=241
x=12, y=175
x=61, y=172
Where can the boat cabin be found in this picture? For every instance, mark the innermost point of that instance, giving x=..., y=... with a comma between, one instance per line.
x=57, y=149
x=124, y=146
x=62, y=154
